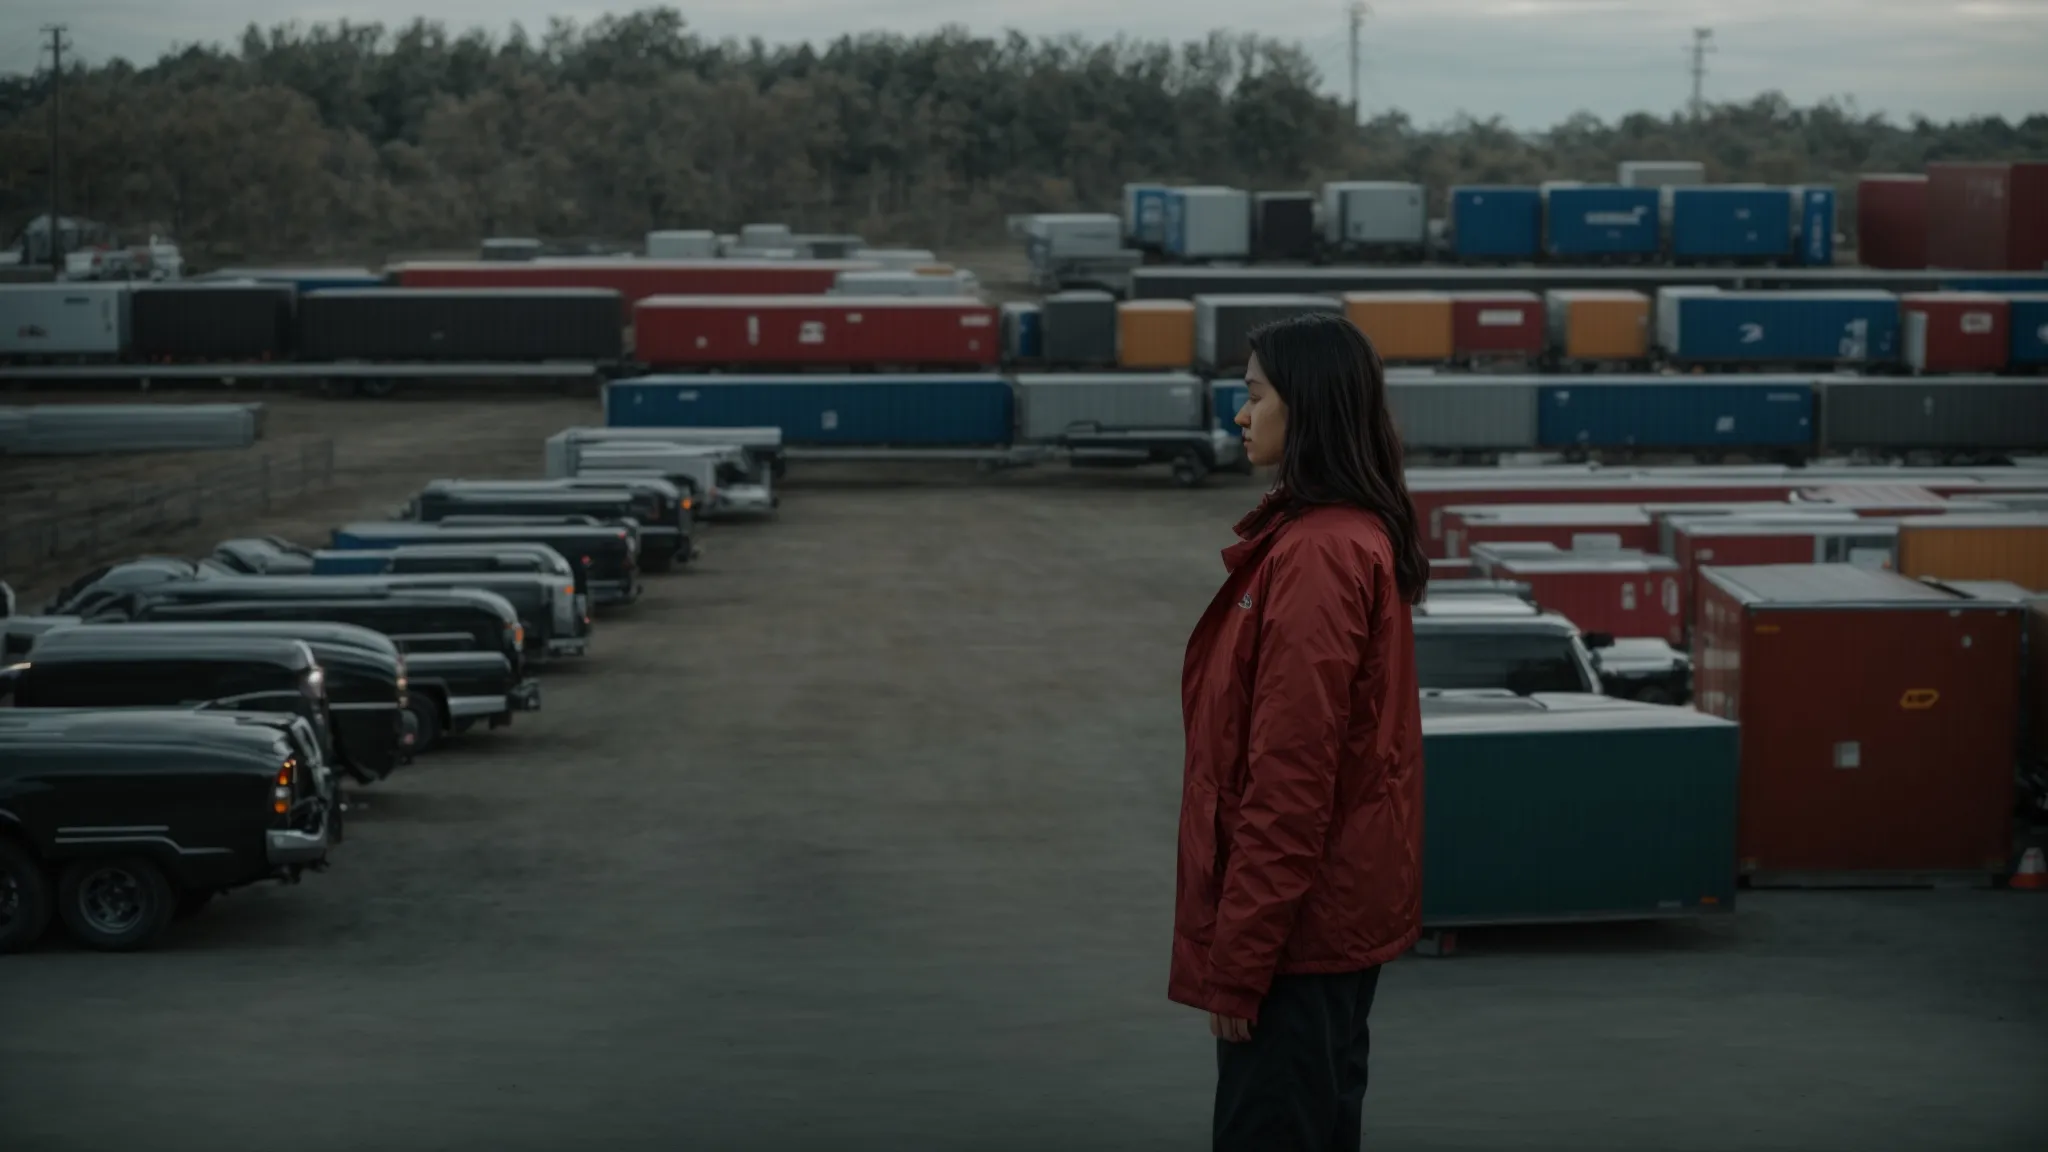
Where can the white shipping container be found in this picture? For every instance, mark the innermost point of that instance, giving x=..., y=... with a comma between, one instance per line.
x=889, y=283
x=1053, y=405
x=64, y=319
x=1374, y=212
x=1066, y=236
x=896, y=259
x=691, y=245
x=766, y=236
x=1659, y=173
x=1209, y=223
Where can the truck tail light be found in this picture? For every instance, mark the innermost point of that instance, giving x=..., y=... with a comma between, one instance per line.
x=685, y=504
x=518, y=632
x=281, y=794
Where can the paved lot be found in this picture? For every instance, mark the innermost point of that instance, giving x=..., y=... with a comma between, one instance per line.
x=861, y=837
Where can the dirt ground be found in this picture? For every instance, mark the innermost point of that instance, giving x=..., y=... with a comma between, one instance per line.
x=861, y=836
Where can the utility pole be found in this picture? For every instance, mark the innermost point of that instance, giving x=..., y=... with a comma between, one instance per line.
x=1702, y=43
x=56, y=33
x=1359, y=11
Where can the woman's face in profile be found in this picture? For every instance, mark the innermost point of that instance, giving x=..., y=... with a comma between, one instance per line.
x=1263, y=418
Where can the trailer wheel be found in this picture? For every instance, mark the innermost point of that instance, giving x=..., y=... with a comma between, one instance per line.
x=1188, y=470
x=24, y=898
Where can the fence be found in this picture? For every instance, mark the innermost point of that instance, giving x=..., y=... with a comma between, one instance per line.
x=247, y=487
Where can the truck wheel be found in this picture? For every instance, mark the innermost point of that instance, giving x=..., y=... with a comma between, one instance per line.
x=427, y=714
x=115, y=903
x=1188, y=471
x=24, y=898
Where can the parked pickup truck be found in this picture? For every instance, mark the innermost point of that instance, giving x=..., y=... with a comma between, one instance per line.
x=1487, y=641
x=360, y=674
x=724, y=482
x=121, y=820
x=661, y=510
x=606, y=554
x=271, y=556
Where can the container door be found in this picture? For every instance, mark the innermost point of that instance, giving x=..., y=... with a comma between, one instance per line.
x=1916, y=341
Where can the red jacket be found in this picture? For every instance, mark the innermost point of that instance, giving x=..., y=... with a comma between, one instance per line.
x=1301, y=811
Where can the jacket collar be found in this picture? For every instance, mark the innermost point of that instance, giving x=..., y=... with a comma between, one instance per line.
x=1255, y=529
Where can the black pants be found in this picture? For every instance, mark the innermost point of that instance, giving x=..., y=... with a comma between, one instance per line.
x=1298, y=1085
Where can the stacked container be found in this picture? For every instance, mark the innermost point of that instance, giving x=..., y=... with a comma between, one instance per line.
x=896, y=259
x=1958, y=413
x=1600, y=222
x=1621, y=595
x=709, y=331
x=1223, y=324
x=1878, y=718
x=1080, y=328
x=1734, y=541
x=1284, y=225
x=64, y=320
x=926, y=411
x=690, y=245
x=1453, y=413
x=1469, y=526
x=211, y=322
x=1073, y=236
x=489, y=324
x=1891, y=221
x=1496, y=224
x=1962, y=546
x=1988, y=216
x=1728, y=223
x=1659, y=173
x=1956, y=331
x=1155, y=334
x=1226, y=397
x=2028, y=320
x=635, y=280
x=1836, y=326
x=1598, y=324
x=1813, y=226
x=1052, y=406
x=1374, y=216
x=1022, y=331
x=1404, y=327
x=1208, y=223
x=1145, y=215
x=1661, y=412
x=1497, y=325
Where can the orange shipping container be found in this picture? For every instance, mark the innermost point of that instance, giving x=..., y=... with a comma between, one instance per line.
x=1599, y=324
x=2011, y=546
x=1406, y=327
x=1155, y=334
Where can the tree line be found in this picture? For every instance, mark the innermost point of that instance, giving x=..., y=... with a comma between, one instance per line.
x=355, y=140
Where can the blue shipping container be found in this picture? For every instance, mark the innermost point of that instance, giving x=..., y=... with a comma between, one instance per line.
x=1145, y=215
x=2021, y=282
x=1496, y=223
x=1725, y=223
x=841, y=411
x=1226, y=397
x=2030, y=329
x=1813, y=239
x=1851, y=326
x=1600, y=220
x=1664, y=413
x=1023, y=325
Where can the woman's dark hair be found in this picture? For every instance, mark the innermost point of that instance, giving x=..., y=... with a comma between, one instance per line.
x=1342, y=446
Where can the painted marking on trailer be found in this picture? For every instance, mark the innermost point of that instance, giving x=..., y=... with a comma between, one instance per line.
x=1919, y=699
x=1628, y=597
x=1976, y=323
x=1724, y=424
x=1849, y=754
x=1670, y=596
x=1767, y=629
x=1752, y=333
x=975, y=321
x=828, y=420
x=753, y=330
x=1500, y=317
x=811, y=332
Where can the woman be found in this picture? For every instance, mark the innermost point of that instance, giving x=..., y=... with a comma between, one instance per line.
x=1301, y=813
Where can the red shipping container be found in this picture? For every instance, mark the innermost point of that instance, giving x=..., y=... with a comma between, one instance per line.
x=1432, y=494
x=684, y=331
x=1731, y=542
x=1988, y=217
x=1891, y=221
x=635, y=280
x=1494, y=324
x=1878, y=718
x=1956, y=331
x=1623, y=596
x=1467, y=525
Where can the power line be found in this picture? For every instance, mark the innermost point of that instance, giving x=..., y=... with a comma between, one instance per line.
x=1702, y=43
x=56, y=34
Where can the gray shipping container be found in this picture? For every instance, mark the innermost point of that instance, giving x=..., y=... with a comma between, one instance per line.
x=1448, y=414
x=1068, y=235
x=1962, y=412
x=765, y=236
x=64, y=319
x=1223, y=324
x=888, y=283
x=896, y=259
x=682, y=245
x=90, y=429
x=1659, y=173
x=1052, y=405
x=1374, y=212
x=514, y=248
x=1078, y=327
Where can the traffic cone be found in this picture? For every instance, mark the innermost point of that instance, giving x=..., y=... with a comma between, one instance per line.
x=2033, y=873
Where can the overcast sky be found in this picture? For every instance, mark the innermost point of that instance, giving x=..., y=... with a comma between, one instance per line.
x=1531, y=61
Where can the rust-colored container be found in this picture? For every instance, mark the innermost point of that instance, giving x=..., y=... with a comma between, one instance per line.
x=1956, y=331
x=1496, y=325
x=1877, y=719
x=1891, y=221
x=1625, y=525
x=1732, y=542
x=1988, y=216
x=1598, y=324
x=1630, y=595
x=1405, y=327
x=1434, y=493
x=708, y=331
x=1155, y=334
x=2011, y=546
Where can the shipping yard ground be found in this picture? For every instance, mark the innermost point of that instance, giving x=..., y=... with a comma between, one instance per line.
x=861, y=837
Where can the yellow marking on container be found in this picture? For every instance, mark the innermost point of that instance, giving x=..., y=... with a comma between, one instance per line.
x=1919, y=699
x=1766, y=629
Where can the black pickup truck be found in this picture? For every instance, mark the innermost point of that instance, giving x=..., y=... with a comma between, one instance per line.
x=656, y=506
x=606, y=554
x=121, y=820
x=361, y=678
x=271, y=556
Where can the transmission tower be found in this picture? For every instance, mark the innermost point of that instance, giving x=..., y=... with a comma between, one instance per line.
x=1702, y=43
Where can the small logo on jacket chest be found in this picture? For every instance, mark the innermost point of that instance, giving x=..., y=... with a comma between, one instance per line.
x=1246, y=602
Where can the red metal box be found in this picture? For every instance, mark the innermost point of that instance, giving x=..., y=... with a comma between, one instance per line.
x=892, y=331
x=1496, y=324
x=1632, y=596
x=1988, y=216
x=1955, y=331
x=1878, y=721
x=1891, y=221
x=1560, y=524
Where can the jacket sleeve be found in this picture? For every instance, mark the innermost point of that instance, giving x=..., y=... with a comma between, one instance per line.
x=1311, y=639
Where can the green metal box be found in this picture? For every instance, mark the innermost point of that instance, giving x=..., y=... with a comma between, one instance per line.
x=1575, y=808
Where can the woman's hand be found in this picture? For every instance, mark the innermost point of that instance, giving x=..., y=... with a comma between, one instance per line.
x=1230, y=1028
